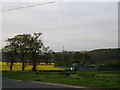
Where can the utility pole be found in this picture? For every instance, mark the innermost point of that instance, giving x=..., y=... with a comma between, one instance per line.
x=63, y=49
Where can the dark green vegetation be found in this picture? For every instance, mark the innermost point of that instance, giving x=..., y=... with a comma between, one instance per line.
x=105, y=57
x=29, y=48
x=98, y=58
x=97, y=79
x=25, y=48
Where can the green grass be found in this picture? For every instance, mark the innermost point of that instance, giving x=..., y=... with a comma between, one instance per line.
x=97, y=79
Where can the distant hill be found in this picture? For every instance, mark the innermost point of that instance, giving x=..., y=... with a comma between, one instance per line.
x=100, y=55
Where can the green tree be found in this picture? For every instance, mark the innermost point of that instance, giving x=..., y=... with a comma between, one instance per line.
x=35, y=45
x=58, y=59
x=77, y=57
x=63, y=59
x=9, y=55
x=86, y=58
x=67, y=59
x=20, y=45
x=47, y=55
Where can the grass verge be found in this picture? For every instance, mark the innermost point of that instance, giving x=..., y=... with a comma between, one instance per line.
x=96, y=79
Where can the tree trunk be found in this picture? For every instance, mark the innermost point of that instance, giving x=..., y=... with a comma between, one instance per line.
x=34, y=62
x=46, y=63
x=34, y=67
x=11, y=64
x=23, y=66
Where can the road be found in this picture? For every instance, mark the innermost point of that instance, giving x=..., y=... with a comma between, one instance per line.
x=8, y=83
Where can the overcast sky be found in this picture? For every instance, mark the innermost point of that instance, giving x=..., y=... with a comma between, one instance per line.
x=77, y=26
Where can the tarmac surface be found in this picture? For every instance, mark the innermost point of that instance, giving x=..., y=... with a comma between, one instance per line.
x=9, y=83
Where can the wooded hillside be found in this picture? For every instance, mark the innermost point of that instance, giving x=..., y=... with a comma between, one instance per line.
x=103, y=55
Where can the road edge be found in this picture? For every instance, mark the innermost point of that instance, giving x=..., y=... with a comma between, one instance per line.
x=50, y=83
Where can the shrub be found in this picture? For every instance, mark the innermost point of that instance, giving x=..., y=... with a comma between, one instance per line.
x=87, y=74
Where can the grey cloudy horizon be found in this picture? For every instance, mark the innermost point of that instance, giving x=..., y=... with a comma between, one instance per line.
x=77, y=26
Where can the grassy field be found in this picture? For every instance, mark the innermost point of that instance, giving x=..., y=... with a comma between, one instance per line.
x=97, y=79
x=17, y=67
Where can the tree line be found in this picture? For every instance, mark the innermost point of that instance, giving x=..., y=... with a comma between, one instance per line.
x=30, y=49
x=67, y=59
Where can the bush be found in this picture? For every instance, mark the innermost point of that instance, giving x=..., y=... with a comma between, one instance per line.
x=87, y=74
x=57, y=76
x=111, y=64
